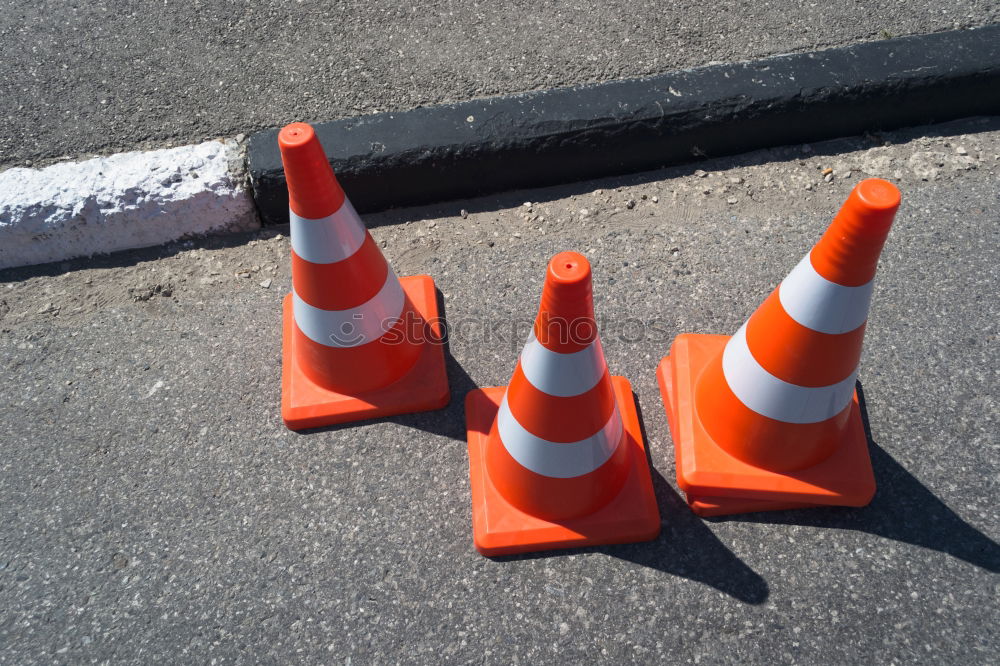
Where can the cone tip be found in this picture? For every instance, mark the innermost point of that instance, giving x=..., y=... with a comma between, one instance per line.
x=876, y=194
x=569, y=268
x=295, y=135
x=565, y=321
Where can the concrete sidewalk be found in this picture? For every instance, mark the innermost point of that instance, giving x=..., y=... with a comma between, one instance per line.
x=103, y=76
x=155, y=509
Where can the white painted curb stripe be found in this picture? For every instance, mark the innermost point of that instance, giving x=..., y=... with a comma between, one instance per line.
x=824, y=306
x=355, y=326
x=560, y=460
x=775, y=398
x=562, y=375
x=123, y=201
x=328, y=239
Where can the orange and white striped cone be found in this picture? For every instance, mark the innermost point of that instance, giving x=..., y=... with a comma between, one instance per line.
x=557, y=458
x=768, y=419
x=359, y=342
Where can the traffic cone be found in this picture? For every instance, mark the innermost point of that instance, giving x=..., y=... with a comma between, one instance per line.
x=769, y=419
x=358, y=342
x=557, y=458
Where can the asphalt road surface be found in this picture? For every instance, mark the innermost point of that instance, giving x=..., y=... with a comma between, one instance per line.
x=153, y=508
x=99, y=76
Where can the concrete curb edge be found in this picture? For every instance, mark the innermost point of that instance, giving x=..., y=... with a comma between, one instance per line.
x=473, y=148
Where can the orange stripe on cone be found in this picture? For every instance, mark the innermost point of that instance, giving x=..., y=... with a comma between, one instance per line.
x=798, y=354
x=355, y=370
x=357, y=278
x=767, y=418
x=756, y=439
x=560, y=419
x=550, y=498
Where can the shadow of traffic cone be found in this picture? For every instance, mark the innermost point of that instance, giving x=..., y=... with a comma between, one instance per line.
x=358, y=342
x=768, y=419
x=557, y=458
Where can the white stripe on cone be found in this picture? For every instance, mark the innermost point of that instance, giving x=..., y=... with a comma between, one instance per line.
x=824, y=306
x=328, y=239
x=775, y=398
x=355, y=326
x=560, y=460
x=562, y=375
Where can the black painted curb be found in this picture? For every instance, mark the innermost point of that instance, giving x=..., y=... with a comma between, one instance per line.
x=562, y=135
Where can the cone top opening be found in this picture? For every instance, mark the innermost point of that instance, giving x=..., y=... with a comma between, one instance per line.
x=295, y=135
x=878, y=195
x=569, y=269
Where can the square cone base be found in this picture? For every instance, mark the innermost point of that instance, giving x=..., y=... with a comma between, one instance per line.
x=499, y=528
x=305, y=404
x=718, y=484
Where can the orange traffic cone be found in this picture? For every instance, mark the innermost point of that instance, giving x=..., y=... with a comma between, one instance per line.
x=768, y=418
x=358, y=341
x=557, y=457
